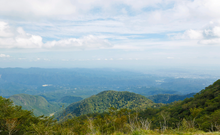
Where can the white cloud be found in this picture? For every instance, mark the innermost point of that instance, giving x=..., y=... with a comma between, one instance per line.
x=4, y=56
x=162, y=15
x=210, y=41
x=192, y=34
x=59, y=8
x=212, y=31
x=216, y=31
x=112, y=17
x=210, y=34
x=36, y=8
x=5, y=30
x=189, y=34
x=87, y=42
x=17, y=38
x=166, y=12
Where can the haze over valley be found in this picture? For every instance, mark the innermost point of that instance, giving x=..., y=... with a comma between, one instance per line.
x=135, y=67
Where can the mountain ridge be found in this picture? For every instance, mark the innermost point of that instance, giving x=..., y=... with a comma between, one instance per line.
x=38, y=104
x=104, y=100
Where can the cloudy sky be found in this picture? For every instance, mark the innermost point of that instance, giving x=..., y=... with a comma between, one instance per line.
x=110, y=33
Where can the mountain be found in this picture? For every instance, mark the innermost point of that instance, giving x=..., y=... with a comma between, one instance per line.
x=103, y=101
x=190, y=116
x=86, y=82
x=74, y=77
x=168, y=98
x=16, y=121
x=202, y=110
x=39, y=104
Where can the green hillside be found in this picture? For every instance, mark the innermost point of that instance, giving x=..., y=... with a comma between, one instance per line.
x=16, y=121
x=201, y=111
x=190, y=116
x=168, y=98
x=187, y=117
x=103, y=101
x=39, y=104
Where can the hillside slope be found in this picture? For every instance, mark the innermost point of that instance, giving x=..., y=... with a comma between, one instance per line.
x=39, y=104
x=202, y=110
x=103, y=101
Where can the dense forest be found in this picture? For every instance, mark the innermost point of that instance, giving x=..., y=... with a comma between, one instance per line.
x=38, y=104
x=196, y=115
x=103, y=101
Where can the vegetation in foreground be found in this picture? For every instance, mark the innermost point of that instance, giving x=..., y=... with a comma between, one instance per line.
x=197, y=115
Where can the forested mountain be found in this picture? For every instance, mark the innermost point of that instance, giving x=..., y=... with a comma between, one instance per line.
x=190, y=116
x=15, y=121
x=168, y=98
x=103, y=101
x=38, y=104
x=202, y=110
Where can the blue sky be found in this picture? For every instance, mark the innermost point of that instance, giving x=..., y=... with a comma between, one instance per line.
x=135, y=34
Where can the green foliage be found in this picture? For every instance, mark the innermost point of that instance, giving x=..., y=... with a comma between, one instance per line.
x=201, y=111
x=38, y=104
x=14, y=120
x=191, y=110
x=178, y=118
x=109, y=113
x=101, y=102
x=121, y=122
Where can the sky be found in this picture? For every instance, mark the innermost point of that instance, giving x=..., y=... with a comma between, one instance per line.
x=134, y=34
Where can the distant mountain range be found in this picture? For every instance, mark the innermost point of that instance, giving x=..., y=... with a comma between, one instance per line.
x=86, y=82
x=168, y=98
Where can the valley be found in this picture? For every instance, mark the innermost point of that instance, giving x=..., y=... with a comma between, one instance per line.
x=111, y=101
